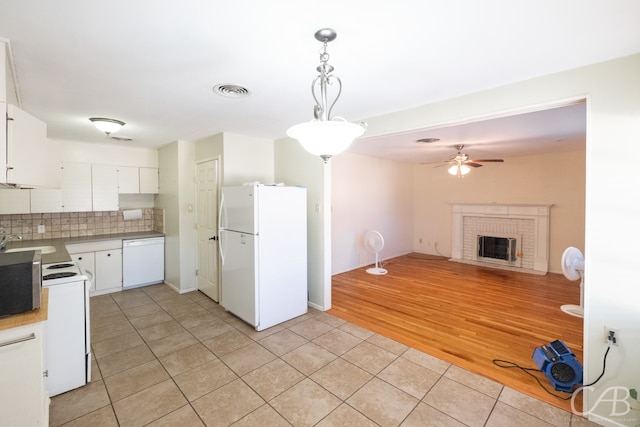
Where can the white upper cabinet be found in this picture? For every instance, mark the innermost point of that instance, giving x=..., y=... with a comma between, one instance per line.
x=104, y=179
x=26, y=149
x=128, y=180
x=14, y=201
x=134, y=180
x=76, y=187
x=149, y=180
x=23, y=149
x=3, y=142
x=46, y=200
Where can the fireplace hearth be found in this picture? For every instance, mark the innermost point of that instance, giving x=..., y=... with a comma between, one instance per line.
x=514, y=237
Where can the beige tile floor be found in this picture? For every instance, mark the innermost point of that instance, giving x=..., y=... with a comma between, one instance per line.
x=164, y=359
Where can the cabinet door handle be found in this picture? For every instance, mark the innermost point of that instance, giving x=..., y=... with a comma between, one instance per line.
x=17, y=340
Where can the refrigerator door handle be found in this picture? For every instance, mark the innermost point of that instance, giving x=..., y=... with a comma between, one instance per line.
x=220, y=247
x=221, y=211
x=220, y=229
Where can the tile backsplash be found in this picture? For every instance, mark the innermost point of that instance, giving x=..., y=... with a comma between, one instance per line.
x=76, y=224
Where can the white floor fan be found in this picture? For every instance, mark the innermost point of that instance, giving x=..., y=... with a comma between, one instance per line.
x=573, y=269
x=374, y=242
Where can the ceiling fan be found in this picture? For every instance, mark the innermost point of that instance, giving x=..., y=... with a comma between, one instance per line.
x=460, y=164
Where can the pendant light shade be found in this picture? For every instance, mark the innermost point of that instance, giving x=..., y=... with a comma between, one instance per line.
x=324, y=136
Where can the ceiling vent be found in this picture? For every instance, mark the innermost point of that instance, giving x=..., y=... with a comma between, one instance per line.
x=120, y=138
x=427, y=140
x=231, y=91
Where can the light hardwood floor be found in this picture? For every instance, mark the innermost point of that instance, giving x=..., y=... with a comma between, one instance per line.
x=465, y=314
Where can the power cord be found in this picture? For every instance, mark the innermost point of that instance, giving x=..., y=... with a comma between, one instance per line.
x=604, y=361
x=437, y=251
x=508, y=364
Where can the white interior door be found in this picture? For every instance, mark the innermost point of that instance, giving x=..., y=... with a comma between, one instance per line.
x=207, y=224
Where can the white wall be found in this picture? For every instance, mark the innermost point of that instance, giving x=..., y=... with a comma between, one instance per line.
x=294, y=166
x=611, y=213
x=167, y=199
x=177, y=192
x=186, y=207
x=247, y=159
x=369, y=194
x=557, y=179
x=107, y=154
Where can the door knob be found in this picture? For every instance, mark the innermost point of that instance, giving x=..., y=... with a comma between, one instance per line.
x=213, y=238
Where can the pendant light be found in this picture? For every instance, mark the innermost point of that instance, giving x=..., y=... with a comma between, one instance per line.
x=325, y=136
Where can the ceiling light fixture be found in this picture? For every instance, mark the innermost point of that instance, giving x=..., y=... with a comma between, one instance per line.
x=107, y=126
x=459, y=170
x=324, y=136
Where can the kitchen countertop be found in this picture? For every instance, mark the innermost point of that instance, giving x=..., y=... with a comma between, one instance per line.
x=38, y=315
x=61, y=254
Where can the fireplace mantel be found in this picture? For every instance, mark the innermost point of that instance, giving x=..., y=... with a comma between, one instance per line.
x=536, y=215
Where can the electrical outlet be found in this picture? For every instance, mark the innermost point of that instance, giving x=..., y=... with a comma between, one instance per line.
x=616, y=334
x=41, y=229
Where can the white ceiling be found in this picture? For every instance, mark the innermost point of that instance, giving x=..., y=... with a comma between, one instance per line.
x=153, y=64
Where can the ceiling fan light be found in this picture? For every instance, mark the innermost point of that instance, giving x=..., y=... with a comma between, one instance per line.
x=105, y=125
x=459, y=170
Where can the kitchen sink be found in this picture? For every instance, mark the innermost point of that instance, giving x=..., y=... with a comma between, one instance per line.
x=42, y=249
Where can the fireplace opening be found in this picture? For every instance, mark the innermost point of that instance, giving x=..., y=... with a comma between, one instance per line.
x=497, y=248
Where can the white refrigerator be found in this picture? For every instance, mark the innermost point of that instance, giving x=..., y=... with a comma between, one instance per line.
x=263, y=253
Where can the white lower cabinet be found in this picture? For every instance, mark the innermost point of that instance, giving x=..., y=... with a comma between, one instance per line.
x=23, y=397
x=108, y=271
x=104, y=260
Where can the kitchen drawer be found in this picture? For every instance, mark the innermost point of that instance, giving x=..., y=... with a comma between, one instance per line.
x=102, y=245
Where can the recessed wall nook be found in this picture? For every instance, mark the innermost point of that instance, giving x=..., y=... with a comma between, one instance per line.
x=508, y=236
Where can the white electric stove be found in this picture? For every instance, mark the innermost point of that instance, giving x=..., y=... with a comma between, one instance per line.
x=67, y=330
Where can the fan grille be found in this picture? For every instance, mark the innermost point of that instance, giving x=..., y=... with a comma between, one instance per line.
x=373, y=241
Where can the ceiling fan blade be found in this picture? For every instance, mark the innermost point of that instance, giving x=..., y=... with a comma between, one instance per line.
x=440, y=164
x=487, y=160
x=473, y=165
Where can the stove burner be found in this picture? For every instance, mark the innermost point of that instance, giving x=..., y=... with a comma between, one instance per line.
x=60, y=275
x=56, y=266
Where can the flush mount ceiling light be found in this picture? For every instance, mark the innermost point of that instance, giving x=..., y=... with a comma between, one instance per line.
x=107, y=126
x=324, y=136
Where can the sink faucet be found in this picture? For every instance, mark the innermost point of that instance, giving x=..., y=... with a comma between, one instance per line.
x=6, y=238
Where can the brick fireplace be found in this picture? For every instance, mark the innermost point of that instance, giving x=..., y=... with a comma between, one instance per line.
x=525, y=227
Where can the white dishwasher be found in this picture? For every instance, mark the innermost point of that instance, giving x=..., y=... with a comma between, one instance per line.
x=142, y=262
